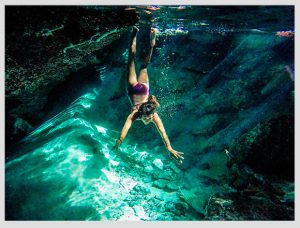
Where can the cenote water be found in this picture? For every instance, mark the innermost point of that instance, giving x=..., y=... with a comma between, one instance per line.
x=224, y=79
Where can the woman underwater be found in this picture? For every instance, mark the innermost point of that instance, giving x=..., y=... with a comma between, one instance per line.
x=144, y=105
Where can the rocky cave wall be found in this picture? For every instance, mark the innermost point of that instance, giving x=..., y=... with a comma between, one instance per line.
x=44, y=47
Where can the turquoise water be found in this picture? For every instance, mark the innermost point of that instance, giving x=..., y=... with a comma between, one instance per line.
x=217, y=76
x=68, y=171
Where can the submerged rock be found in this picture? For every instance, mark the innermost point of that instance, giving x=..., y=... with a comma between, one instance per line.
x=205, y=166
x=158, y=163
x=148, y=169
x=141, y=189
x=175, y=168
x=172, y=186
x=161, y=183
x=22, y=127
x=238, y=207
x=139, y=211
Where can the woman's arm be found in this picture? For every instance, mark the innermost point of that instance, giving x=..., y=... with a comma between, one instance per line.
x=160, y=127
x=125, y=128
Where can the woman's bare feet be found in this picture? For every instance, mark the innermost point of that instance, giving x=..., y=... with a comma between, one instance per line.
x=152, y=37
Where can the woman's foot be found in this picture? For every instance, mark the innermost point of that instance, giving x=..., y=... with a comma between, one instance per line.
x=152, y=37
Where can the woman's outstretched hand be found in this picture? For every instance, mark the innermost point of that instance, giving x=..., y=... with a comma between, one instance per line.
x=116, y=146
x=176, y=155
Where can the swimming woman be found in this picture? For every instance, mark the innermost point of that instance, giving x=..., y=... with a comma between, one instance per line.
x=144, y=105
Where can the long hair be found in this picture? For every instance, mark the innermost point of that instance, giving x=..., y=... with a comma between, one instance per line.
x=148, y=107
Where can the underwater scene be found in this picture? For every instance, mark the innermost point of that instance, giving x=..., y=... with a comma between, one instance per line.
x=149, y=113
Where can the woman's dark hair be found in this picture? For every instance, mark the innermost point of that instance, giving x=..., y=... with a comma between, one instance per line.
x=148, y=107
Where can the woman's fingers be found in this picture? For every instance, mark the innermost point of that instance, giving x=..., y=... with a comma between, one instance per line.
x=175, y=151
x=177, y=156
x=177, y=160
x=180, y=156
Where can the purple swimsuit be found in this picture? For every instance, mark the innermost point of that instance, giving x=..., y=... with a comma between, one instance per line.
x=139, y=89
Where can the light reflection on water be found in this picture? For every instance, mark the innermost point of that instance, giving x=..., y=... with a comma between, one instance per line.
x=85, y=177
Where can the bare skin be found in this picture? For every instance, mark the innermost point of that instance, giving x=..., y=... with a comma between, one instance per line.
x=137, y=100
x=143, y=76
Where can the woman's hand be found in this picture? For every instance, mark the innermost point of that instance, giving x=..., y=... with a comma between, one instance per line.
x=176, y=155
x=118, y=143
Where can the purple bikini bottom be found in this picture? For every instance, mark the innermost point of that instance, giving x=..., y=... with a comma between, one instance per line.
x=139, y=89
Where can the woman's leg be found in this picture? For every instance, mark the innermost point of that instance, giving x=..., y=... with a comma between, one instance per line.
x=132, y=50
x=143, y=76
